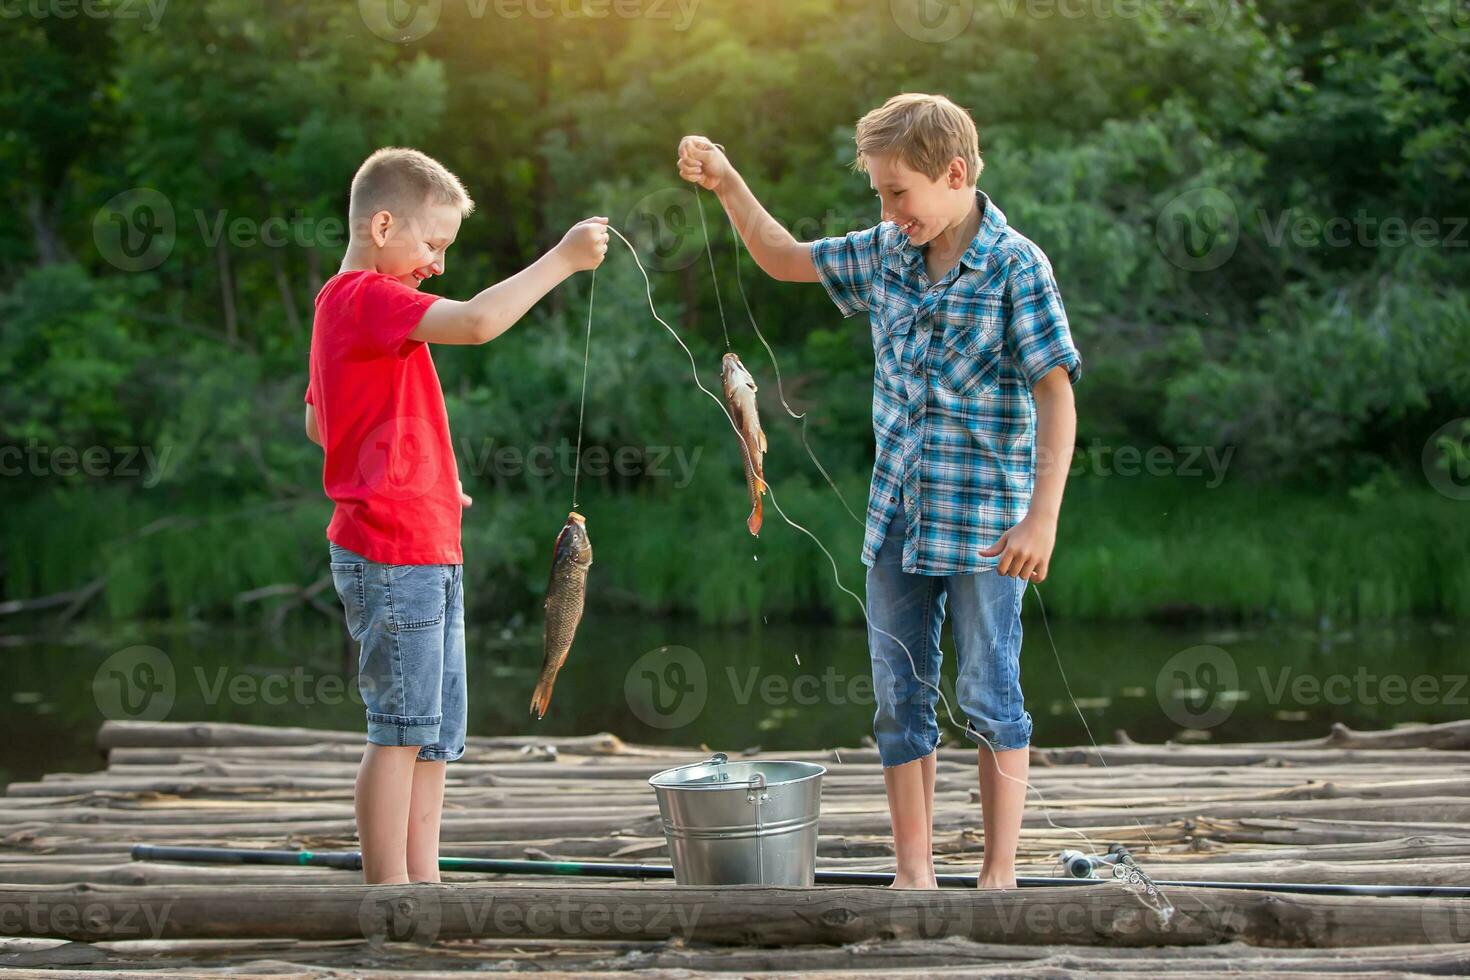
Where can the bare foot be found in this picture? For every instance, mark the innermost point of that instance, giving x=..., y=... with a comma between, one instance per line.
x=914, y=882
x=995, y=881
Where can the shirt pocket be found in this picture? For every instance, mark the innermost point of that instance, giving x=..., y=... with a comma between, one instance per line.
x=892, y=325
x=969, y=356
x=347, y=576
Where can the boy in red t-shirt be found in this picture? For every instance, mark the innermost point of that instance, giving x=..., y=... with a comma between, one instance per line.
x=374, y=405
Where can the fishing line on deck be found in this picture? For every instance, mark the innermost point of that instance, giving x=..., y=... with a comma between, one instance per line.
x=1164, y=912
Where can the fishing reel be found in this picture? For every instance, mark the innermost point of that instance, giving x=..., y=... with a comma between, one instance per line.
x=1075, y=864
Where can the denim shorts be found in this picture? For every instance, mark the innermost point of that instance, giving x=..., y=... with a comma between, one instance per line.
x=987, y=635
x=411, y=669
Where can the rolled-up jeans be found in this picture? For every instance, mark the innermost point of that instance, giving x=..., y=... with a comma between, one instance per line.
x=987, y=631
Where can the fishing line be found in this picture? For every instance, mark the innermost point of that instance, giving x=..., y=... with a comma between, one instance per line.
x=837, y=579
x=716, y=279
x=582, y=412
x=750, y=314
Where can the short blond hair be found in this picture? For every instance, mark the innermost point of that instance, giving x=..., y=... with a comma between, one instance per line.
x=401, y=181
x=926, y=132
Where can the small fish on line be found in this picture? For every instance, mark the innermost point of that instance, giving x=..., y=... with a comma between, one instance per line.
x=565, y=595
x=740, y=392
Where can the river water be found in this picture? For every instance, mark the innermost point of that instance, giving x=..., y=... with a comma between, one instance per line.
x=778, y=686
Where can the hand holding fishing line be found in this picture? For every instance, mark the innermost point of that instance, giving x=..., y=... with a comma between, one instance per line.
x=584, y=246
x=702, y=161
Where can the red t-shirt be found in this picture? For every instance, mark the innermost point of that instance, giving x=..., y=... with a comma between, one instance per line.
x=390, y=464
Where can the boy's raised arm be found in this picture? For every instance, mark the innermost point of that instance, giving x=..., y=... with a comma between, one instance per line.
x=496, y=310
x=774, y=248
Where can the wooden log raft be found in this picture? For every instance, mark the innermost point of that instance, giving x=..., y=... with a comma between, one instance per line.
x=746, y=915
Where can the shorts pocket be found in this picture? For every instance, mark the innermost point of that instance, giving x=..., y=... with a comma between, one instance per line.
x=347, y=576
x=417, y=596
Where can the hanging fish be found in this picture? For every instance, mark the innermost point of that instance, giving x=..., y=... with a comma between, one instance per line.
x=740, y=392
x=565, y=595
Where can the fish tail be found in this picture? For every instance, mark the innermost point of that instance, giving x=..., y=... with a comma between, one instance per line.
x=753, y=522
x=541, y=699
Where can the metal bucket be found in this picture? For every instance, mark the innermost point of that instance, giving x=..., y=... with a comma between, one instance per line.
x=741, y=823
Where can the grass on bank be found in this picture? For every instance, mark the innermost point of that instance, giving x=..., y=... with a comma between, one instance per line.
x=1127, y=548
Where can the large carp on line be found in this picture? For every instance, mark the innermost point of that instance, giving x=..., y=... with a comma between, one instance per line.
x=565, y=595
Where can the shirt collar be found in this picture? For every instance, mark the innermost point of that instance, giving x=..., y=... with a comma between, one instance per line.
x=992, y=223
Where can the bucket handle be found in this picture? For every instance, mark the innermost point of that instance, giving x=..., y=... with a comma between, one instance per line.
x=756, y=783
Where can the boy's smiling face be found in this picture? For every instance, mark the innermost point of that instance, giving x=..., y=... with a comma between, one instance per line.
x=411, y=248
x=921, y=207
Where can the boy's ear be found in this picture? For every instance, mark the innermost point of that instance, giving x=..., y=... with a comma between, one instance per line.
x=957, y=174
x=381, y=223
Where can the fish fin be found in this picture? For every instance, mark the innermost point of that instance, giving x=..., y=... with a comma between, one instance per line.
x=541, y=699
x=762, y=434
x=753, y=522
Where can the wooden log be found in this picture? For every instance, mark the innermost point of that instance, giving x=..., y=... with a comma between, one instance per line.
x=748, y=915
x=117, y=734
x=1054, y=791
x=673, y=959
x=1421, y=849
x=159, y=873
x=1438, y=816
x=1229, y=755
x=1446, y=735
x=1305, y=831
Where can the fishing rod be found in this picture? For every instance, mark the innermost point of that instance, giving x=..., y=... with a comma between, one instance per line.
x=352, y=861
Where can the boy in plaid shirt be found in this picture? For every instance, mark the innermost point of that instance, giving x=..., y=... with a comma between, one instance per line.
x=973, y=371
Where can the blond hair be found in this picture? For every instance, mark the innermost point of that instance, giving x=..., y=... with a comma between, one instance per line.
x=401, y=181
x=926, y=132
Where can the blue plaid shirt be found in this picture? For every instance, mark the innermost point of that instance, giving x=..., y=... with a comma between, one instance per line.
x=954, y=365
